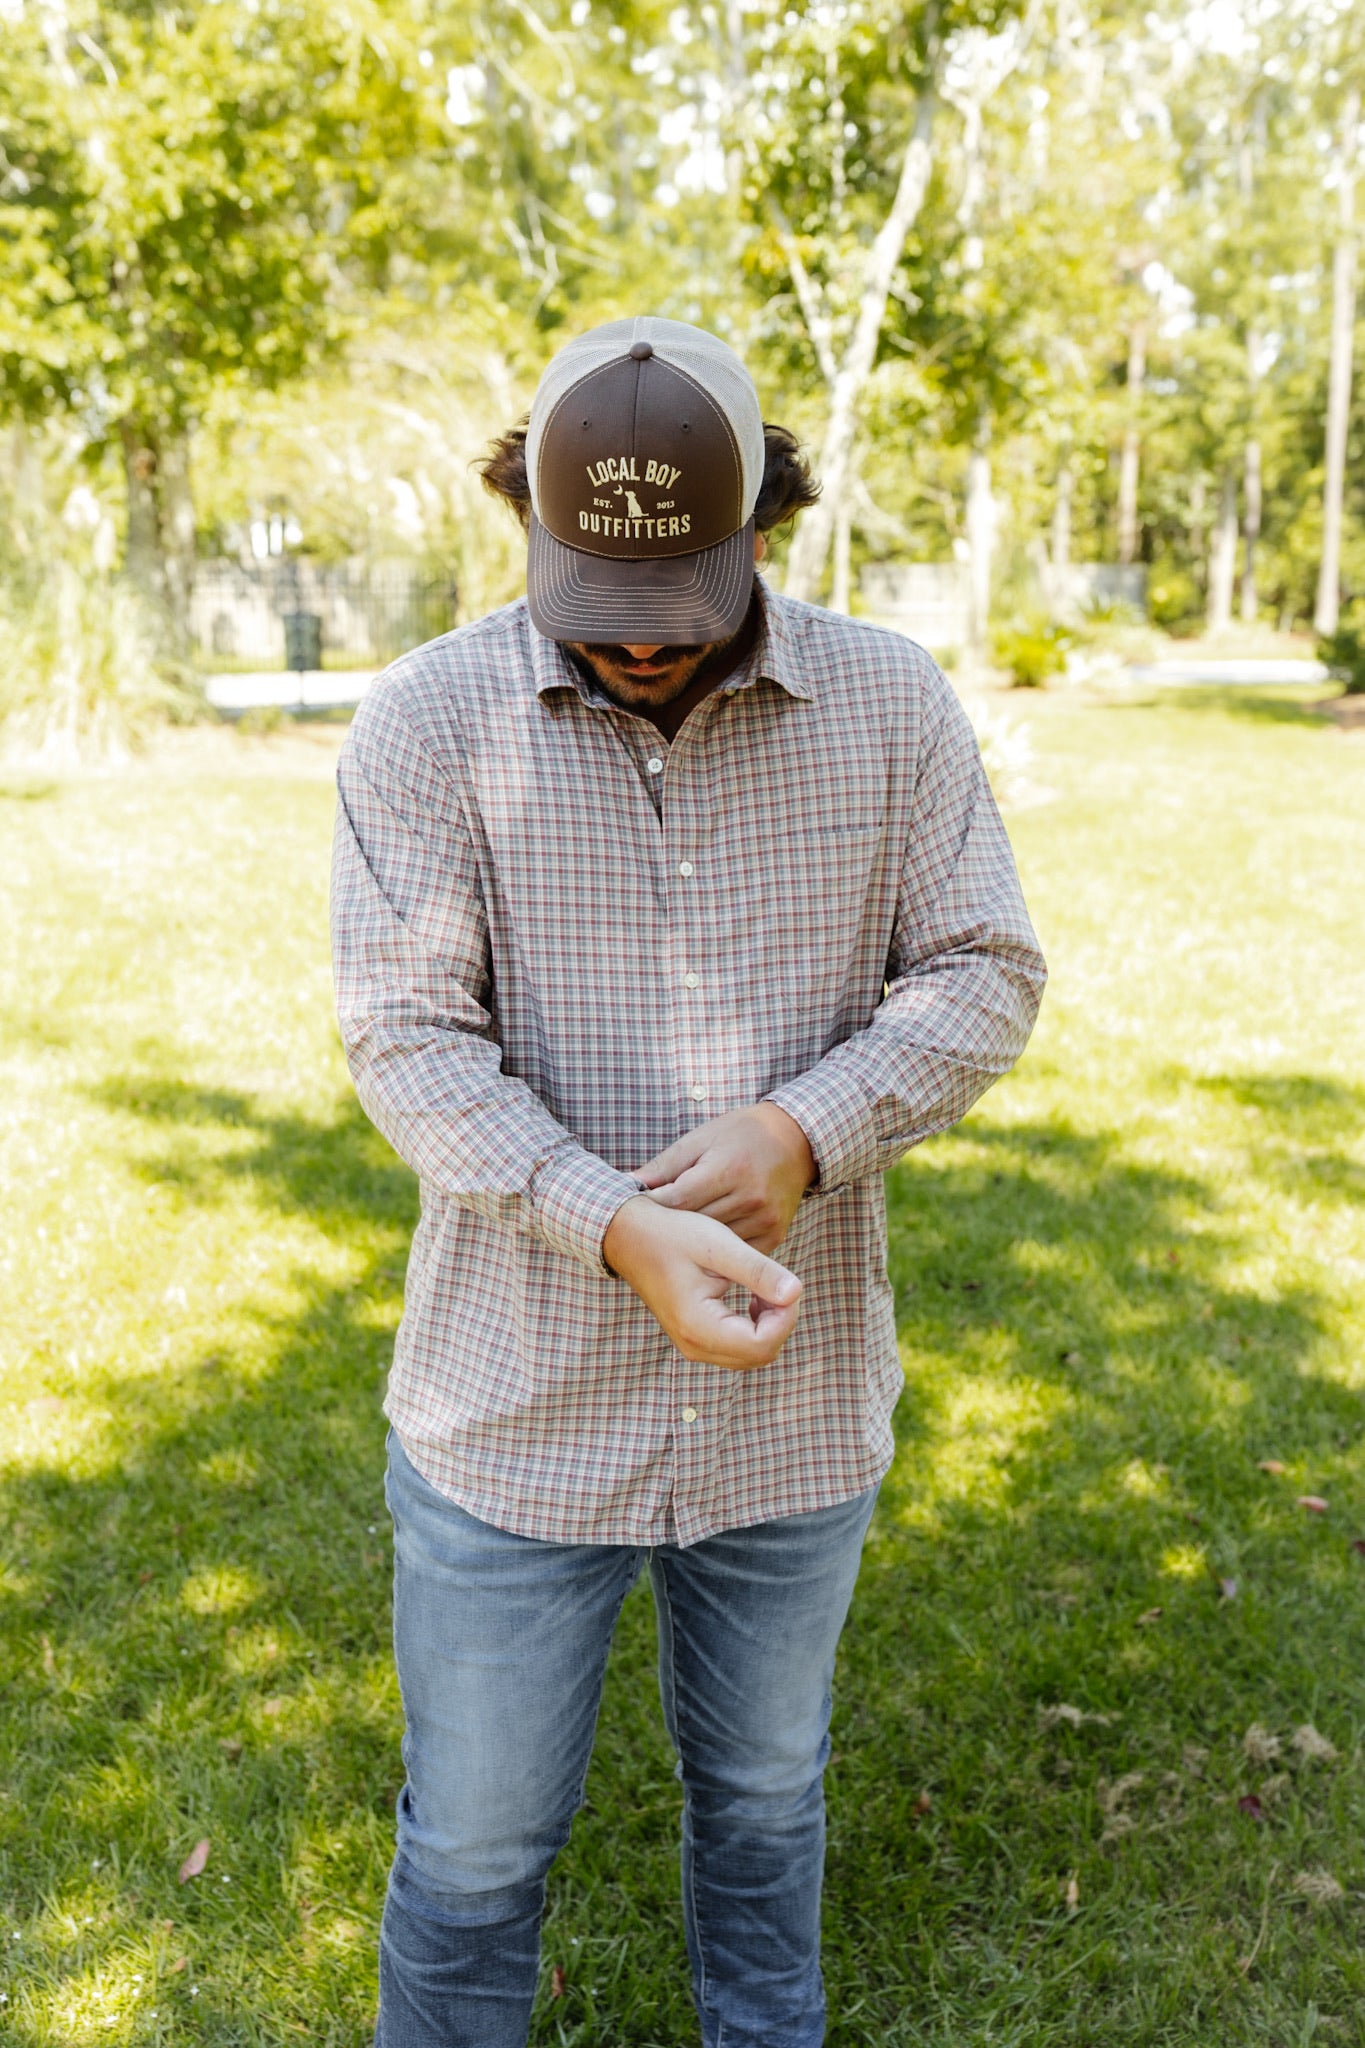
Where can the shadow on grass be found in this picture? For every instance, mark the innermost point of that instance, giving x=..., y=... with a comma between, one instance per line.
x=26, y=792
x=1093, y=1381
x=202, y=1621
x=1260, y=704
x=1309, y=1132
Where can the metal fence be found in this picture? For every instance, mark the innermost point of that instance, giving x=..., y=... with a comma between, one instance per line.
x=304, y=615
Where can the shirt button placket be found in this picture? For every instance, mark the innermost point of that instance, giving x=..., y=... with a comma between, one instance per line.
x=688, y=953
x=689, y=937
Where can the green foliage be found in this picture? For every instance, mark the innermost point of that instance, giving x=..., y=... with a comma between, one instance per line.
x=1128, y=1278
x=183, y=187
x=1174, y=598
x=82, y=673
x=1343, y=651
x=1032, y=647
x=376, y=222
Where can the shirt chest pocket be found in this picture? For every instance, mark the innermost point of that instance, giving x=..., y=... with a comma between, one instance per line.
x=804, y=903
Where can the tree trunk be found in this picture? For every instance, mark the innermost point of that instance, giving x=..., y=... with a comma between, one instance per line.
x=1223, y=557
x=1327, y=608
x=144, y=556
x=980, y=533
x=810, y=548
x=1130, y=459
x=843, y=537
x=1251, y=529
x=1197, y=533
x=176, y=507
x=1065, y=488
x=737, y=84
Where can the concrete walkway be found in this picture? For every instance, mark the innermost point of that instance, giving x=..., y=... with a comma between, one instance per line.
x=320, y=689
x=311, y=689
x=1228, y=671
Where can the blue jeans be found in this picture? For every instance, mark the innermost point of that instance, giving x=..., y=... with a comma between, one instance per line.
x=501, y=1643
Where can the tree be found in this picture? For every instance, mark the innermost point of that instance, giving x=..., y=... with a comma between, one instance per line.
x=840, y=193
x=1327, y=606
x=182, y=190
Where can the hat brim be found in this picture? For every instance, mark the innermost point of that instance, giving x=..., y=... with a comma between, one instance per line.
x=671, y=601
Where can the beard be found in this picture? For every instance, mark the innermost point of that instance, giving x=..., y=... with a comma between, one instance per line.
x=658, y=680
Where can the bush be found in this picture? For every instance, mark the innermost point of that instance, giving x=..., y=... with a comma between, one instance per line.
x=1032, y=649
x=1343, y=653
x=1174, y=599
x=81, y=677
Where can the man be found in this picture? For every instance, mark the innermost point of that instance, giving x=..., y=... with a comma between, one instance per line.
x=667, y=913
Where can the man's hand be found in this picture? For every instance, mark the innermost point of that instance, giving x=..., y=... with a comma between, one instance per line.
x=681, y=1266
x=748, y=1170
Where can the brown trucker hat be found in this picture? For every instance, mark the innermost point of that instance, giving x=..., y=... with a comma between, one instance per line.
x=644, y=455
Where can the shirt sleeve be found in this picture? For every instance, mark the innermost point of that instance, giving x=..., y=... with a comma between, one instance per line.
x=965, y=974
x=411, y=963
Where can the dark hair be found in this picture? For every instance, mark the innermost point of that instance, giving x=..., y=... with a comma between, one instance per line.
x=787, y=487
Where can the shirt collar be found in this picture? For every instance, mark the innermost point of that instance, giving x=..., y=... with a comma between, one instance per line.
x=773, y=659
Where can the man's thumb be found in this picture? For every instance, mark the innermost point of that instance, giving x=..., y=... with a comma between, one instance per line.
x=761, y=1275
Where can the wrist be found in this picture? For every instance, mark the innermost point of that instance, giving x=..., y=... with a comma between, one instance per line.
x=792, y=1138
x=622, y=1231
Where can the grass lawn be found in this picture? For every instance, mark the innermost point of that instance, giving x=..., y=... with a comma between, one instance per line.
x=1099, y=1731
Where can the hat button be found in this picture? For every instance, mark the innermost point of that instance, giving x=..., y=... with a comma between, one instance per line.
x=640, y=351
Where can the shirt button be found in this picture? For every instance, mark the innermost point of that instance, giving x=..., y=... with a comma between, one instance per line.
x=689, y=1414
x=698, y=1093
x=691, y=980
x=654, y=765
x=684, y=867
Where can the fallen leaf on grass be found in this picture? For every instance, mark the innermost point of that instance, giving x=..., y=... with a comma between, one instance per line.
x=1146, y=1619
x=924, y=1802
x=1074, y=1717
x=557, y=1981
x=1272, y=1465
x=1112, y=1796
x=180, y=1963
x=1314, y=1503
x=1315, y=1747
x=1260, y=1746
x=1228, y=1588
x=1073, y=1894
x=195, y=1861
x=1249, y=1803
x=1358, y=1545
x=1319, y=1887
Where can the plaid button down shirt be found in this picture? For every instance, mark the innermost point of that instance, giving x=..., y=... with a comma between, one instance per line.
x=560, y=943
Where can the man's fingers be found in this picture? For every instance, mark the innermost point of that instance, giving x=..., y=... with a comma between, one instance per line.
x=672, y=1161
x=694, y=1188
x=739, y=1341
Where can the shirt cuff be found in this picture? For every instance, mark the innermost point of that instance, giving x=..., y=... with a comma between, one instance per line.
x=837, y=1119
x=574, y=1196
